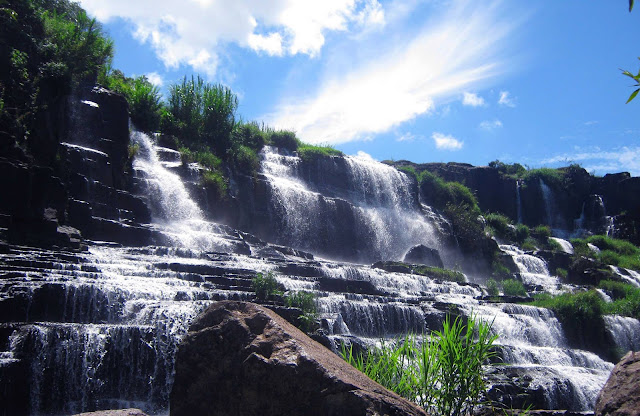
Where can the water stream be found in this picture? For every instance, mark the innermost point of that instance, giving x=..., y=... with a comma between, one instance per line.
x=100, y=329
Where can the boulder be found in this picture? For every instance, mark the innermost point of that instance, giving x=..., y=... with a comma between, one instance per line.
x=620, y=396
x=242, y=359
x=422, y=254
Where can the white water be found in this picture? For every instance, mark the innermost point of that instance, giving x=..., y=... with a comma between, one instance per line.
x=625, y=332
x=566, y=246
x=388, y=220
x=518, y=202
x=533, y=270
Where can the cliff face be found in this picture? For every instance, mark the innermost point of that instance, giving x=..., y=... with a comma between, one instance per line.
x=581, y=202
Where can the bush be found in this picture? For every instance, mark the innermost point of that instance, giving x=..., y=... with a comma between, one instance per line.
x=284, y=139
x=500, y=224
x=515, y=169
x=492, y=288
x=144, y=98
x=499, y=270
x=214, y=180
x=512, y=287
x=250, y=135
x=309, y=152
x=553, y=245
x=306, y=302
x=444, y=374
x=562, y=273
x=579, y=309
x=266, y=287
x=551, y=177
x=439, y=273
x=201, y=114
x=541, y=232
x=245, y=159
x=521, y=233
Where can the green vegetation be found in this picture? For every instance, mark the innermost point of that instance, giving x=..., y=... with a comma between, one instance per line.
x=306, y=302
x=612, y=251
x=215, y=180
x=310, y=152
x=513, y=287
x=438, y=273
x=144, y=98
x=443, y=374
x=266, y=287
x=492, y=287
x=562, y=273
x=515, y=170
x=552, y=177
x=48, y=47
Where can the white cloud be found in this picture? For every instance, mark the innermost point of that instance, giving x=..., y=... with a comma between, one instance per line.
x=406, y=137
x=505, y=99
x=364, y=155
x=404, y=80
x=617, y=160
x=490, y=125
x=195, y=32
x=472, y=99
x=155, y=79
x=446, y=142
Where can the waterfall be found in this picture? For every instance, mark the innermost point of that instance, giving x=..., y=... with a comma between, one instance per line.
x=625, y=332
x=533, y=270
x=378, y=217
x=547, y=197
x=99, y=329
x=566, y=246
x=518, y=201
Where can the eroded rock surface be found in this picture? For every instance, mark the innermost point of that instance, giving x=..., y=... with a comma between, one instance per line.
x=242, y=359
x=620, y=396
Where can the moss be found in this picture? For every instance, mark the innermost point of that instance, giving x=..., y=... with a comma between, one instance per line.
x=512, y=287
x=439, y=273
x=309, y=152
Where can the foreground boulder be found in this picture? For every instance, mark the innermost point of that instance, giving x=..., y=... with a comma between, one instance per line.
x=242, y=359
x=620, y=396
x=422, y=254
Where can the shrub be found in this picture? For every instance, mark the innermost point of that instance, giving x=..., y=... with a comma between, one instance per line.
x=284, y=139
x=250, y=135
x=266, y=287
x=499, y=270
x=306, y=302
x=444, y=374
x=541, y=232
x=521, y=233
x=553, y=245
x=500, y=224
x=515, y=169
x=562, y=273
x=579, y=309
x=529, y=244
x=309, y=152
x=512, y=287
x=215, y=181
x=144, y=98
x=201, y=113
x=439, y=273
x=551, y=177
x=492, y=288
x=409, y=170
x=245, y=159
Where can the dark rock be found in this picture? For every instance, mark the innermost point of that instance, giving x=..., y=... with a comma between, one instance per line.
x=620, y=396
x=422, y=254
x=119, y=412
x=243, y=359
x=348, y=286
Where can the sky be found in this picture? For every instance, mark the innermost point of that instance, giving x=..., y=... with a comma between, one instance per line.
x=533, y=82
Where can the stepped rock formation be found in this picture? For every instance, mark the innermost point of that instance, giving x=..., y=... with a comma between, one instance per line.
x=621, y=395
x=243, y=359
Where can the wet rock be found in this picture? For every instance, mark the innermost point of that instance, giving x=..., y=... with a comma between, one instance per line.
x=621, y=394
x=119, y=412
x=422, y=254
x=243, y=359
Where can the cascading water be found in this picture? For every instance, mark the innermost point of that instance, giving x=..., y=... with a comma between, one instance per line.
x=518, y=202
x=100, y=329
x=384, y=218
x=547, y=197
x=533, y=270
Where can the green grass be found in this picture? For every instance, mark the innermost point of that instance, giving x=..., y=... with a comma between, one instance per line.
x=492, y=287
x=309, y=152
x=613, y=251
x=439, y=273
x=551, y=177
x=284, y=139
x=216, y=181
x=306, y=302
x=443, y=374
x=266, y=286
x=573, y=308
x=512, y=287
x=500, y=225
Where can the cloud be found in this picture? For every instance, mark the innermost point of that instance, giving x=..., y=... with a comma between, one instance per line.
x=195, y=32
x=445, y=142
x=406, y=137
x=490, y=125
x=364, y=155
x=155, y=79
x=472, y=99
x=505, y=99
x=404, y=80
x=617, y=160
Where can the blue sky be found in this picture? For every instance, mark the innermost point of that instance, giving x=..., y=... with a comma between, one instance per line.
x=534, y=82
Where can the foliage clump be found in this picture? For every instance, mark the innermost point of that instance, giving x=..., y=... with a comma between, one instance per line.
x=443, y=373
x=513, y=287
x=266, y=287
x=307, y=303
